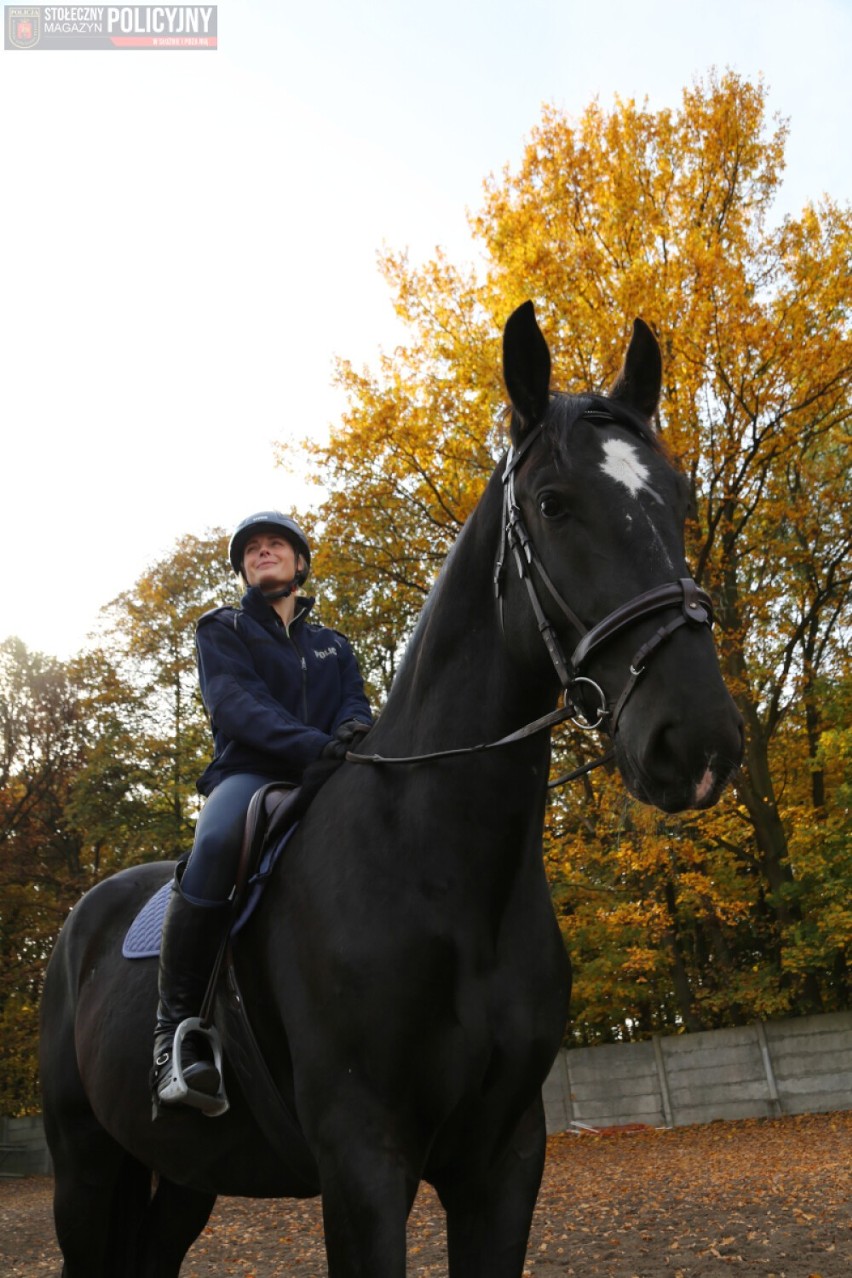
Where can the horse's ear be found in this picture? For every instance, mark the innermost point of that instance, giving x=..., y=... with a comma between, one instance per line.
x=526, y=367
x=640, y=380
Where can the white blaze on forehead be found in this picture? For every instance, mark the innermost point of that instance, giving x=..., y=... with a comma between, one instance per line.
x=623, y=464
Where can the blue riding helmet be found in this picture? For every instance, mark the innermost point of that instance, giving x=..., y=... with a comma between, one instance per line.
x=268, y=521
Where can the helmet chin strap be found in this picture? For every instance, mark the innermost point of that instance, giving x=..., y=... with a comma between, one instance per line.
x=285, y=591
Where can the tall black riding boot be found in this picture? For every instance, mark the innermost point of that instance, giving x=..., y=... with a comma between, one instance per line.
x=192, y=934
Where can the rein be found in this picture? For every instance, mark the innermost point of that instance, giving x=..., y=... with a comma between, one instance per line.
x=538, y=725
x=694, y=608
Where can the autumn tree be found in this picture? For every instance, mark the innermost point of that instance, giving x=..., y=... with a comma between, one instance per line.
x=149, y=738
x=704, y=919
x=41, y=749
x=98, y=762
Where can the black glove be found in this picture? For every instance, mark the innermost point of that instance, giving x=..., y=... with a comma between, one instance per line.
x=313, y=779
x=334, y=749
x=350, y=729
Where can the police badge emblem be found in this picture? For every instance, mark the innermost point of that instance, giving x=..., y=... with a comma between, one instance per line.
x=23, y=28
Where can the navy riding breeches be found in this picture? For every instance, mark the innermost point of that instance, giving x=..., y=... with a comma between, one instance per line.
x=212, y=866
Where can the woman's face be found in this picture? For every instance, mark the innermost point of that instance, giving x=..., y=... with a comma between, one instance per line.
x=269, y=561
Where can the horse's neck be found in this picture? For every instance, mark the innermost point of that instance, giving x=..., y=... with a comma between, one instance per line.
x=458, y=685
x=475, y=817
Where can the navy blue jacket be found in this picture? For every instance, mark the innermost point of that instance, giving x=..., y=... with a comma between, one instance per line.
x=275, y=695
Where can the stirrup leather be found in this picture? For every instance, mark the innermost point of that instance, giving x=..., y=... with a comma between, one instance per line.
x=176, y=1090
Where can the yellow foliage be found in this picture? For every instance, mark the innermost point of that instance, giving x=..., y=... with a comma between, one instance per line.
x=667, y=215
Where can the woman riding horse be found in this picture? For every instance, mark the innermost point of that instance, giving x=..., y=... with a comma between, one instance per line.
x=281, y=693
x=404, y=978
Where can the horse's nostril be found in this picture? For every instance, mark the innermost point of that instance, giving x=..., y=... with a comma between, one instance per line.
x=665, y=747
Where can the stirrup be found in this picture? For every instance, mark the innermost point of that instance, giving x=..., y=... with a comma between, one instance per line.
x=177, y=1091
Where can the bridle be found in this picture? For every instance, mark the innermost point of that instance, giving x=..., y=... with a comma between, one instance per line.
x=693, y=605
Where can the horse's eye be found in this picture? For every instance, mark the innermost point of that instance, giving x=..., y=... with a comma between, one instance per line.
x=551, y=506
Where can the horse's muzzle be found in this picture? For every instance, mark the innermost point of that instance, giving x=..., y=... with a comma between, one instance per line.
x=684, y=767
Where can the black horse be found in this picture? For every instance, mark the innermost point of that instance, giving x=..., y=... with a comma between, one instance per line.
x=405, y=974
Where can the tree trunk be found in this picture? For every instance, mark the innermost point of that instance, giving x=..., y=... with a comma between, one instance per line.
x=682, y=987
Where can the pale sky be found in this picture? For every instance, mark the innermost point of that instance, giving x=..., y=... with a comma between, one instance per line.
x=190, y=239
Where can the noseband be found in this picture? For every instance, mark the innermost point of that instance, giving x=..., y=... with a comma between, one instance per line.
x=693, y=605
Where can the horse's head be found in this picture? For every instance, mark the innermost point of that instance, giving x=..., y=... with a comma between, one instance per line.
x=593, y=562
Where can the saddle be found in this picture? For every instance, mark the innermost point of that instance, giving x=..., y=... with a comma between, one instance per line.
x=269, y=825
x=265, y=836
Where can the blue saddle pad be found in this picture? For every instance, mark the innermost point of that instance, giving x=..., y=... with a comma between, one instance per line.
x=143, y=936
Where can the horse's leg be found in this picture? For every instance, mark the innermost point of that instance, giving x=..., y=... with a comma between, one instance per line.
x=100, y=1197
x=107, y=1223
x=489, y=1212
x=367, y=1194
x=130, y=1201
x=175, y=1218
x=100, y=1193
x=364, y=1216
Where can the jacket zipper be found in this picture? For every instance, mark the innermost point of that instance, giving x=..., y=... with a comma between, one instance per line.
x=304, y=666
